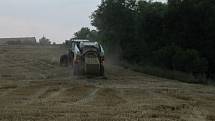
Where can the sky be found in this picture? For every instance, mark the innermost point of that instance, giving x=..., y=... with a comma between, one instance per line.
x=54, y=19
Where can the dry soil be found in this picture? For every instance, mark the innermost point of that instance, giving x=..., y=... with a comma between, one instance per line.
x=33, y=87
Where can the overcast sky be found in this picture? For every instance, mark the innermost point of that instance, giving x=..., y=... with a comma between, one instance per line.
x=55, y=19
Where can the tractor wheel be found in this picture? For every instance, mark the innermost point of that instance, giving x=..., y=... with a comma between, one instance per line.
x=71, y=57
x=102, y=70
x=64, y=60
x=76, y=69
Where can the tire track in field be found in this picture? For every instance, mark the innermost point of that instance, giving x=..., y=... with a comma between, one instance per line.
x=88, y=98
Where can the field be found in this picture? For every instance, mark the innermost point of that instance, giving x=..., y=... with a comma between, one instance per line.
x=33, y=87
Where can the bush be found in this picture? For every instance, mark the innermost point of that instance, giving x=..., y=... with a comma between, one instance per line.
x=163, y=57
x=185, y=60
x=189, y=60
x=161, y=72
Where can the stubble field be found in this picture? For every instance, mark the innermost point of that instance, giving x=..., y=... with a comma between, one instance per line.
x=34, y=87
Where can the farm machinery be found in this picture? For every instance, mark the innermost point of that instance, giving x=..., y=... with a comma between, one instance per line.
x=85, y=57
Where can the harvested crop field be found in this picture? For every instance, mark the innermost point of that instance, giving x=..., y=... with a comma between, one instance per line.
x=34, y=87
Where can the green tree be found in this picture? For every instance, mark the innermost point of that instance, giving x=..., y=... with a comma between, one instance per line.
x=84, y=33
x=44, y=41
x=177, y=36
x=115, y=23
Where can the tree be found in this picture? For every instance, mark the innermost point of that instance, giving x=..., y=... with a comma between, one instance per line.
x=83, y=33
x=189, y=25
x=114, y=20
x=86, y=33
x=177, y=36
x=44, y=41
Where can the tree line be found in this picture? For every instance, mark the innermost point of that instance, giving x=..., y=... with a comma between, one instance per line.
x=178, y=35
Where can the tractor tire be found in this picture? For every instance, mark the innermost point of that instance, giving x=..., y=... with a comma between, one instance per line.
x=71, y=58
x=64, y=60
x=76, y=69
x=102, y=70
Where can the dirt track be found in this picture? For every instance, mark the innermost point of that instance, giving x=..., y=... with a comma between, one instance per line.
x=34, y=87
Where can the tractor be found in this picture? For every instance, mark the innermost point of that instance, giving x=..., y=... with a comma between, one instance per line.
x=85, y=57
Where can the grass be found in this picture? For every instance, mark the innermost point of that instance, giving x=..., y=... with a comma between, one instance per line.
x=45, y=91
x=165, y=73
